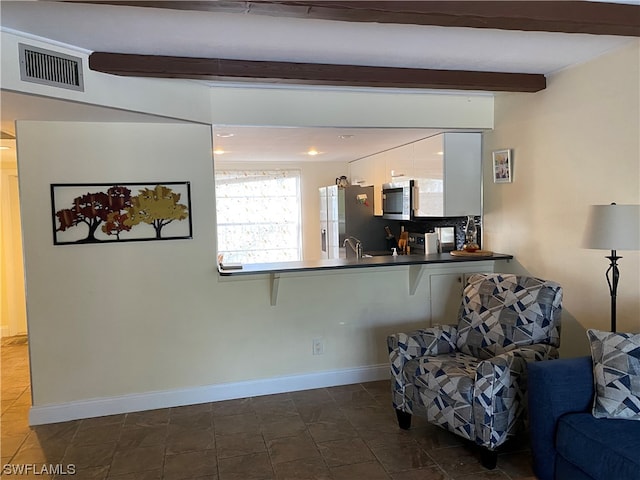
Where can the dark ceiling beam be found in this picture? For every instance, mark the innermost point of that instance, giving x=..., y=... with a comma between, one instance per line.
x=549, y=16
x=310, y=73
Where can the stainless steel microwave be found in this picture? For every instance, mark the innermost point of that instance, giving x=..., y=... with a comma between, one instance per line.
x=398, y=200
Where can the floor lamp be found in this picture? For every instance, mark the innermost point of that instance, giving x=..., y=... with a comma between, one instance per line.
x=613, y=227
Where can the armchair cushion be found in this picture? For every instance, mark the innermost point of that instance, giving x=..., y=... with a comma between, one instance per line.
x=616, y=371
x=501, y=312
x=450, y=374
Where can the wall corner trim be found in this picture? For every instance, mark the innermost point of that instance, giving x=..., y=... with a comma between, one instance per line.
x=97, y=407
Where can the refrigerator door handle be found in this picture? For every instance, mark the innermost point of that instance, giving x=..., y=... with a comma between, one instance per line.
x=323, y=239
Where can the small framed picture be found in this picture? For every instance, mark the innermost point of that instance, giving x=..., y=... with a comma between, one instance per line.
x=502, y=168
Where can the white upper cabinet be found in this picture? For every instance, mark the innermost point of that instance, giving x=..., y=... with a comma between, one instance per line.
x=361, y=172
x=446, y=169
x=448, y=173
x=399, y=163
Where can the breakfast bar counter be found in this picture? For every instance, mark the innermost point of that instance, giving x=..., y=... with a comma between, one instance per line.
x=415, y=264
x=341, y=263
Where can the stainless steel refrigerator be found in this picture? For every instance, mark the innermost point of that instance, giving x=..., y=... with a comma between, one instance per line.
x=346, y=212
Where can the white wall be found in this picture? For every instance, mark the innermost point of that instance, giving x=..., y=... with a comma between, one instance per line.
x=103, y=318
x=334, y=107
x=574, y=144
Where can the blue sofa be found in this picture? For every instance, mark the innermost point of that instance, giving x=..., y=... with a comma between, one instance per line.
x=567, y=441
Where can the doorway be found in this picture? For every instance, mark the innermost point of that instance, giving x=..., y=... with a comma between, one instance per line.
x=13, y=319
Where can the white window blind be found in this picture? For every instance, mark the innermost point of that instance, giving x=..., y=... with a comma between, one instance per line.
x=259, y=215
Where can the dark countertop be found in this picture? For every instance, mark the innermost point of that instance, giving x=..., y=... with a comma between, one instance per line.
x=378, y=261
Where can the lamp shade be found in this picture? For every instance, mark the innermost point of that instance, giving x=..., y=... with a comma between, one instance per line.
x=613, y=227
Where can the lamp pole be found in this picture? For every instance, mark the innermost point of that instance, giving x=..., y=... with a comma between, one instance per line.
x=613, y=275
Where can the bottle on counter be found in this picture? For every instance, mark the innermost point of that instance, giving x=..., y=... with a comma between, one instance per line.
x=471, y=236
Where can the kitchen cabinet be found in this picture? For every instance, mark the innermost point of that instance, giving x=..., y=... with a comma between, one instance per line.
x=384, y=167
x=447, y=169
x=361, y=172
x=399, y=163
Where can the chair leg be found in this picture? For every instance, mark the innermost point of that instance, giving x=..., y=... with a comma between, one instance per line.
x=489, y=458
x=404, y=419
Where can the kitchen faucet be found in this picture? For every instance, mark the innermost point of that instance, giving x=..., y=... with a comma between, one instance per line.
x=357, y=247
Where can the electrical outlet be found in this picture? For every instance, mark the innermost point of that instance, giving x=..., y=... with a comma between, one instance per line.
x=318, y=346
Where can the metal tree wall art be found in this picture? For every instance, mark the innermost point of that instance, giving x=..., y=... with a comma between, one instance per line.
x=158, y=207
x=122, y=212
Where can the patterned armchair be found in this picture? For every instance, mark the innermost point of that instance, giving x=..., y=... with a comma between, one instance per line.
x=470, y=378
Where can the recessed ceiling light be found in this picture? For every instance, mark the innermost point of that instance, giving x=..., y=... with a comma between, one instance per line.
x=439, y=153
x=345, y=137
x=313, y=152
x=219, y=151
x=225, y=135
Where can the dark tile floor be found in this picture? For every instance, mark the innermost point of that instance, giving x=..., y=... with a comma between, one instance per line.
x=347, y=432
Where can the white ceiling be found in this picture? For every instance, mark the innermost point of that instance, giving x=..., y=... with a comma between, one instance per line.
x=254, y=144
x=254, y=37
x=154, y=31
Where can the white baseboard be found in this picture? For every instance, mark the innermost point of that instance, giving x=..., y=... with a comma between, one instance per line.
x=98, y=407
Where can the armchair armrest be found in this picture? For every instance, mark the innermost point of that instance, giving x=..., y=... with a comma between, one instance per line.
x=555, y=388
x=500, y=391
x=429, y=341
x=405, y=346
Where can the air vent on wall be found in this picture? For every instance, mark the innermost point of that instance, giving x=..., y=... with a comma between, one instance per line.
x=46, y=67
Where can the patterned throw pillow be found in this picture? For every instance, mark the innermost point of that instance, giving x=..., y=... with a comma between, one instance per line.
x=616, y=372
